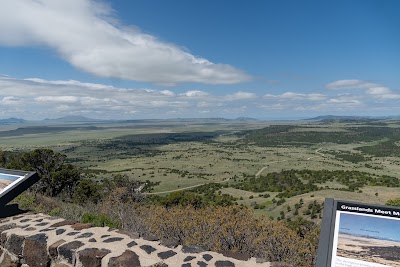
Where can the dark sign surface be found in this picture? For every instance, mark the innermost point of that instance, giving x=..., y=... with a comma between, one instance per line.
x=13, y=183
x=359, y=235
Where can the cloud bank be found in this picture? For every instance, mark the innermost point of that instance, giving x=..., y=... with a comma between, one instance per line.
x=373, y=89
x=85, y=34
x=34, y=98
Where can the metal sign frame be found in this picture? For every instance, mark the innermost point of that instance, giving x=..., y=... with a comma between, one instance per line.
x=335, y=212
x=24, y=180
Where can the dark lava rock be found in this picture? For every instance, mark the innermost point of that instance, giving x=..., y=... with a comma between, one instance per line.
x=127, y=259
x=194, y=249
x=42, y=224
x=46, y=230
x=14, y=244
x=131, y=244
x=92, y=240
x=166, y=254
x=35, y=250
x=148, y=249
x=113, y=239
x=202, y=264
x=207, y=257
x=186, y=265
x=91, y=257
x=189, y=258
x=85, y=235
x=224, y=264
x=67, y=251
x=73, y=233
x=60, y=231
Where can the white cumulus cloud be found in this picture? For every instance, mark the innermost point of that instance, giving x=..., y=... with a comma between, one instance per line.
x=291, y=96
x=84, y=33
x=195, y=94
x=10, y=100
x=240, y=96
x=57, y=99
x=372, y=89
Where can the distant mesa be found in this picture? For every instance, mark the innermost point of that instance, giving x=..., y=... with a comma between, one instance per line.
x=245, y=119
x=11, y=120
x=71, y=119
x=335, y=118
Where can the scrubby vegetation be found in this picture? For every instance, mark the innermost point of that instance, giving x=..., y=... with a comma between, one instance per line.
x=201, y=217
x=295, y=182
x=393, y=202
x=276, y=135
x=348, y=156
x=390, y=148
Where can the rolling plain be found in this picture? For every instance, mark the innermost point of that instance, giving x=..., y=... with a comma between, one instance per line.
x=277, y=168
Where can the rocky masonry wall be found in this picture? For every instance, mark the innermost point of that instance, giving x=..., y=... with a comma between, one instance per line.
x=33, y=240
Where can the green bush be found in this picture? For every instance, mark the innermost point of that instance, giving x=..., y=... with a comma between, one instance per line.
x=25, y=201
x=393, y=202
x=87, y=190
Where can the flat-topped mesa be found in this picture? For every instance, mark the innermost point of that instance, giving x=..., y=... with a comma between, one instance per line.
x=33, y=240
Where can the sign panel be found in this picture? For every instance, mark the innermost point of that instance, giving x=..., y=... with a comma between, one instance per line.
x=13, y=183
x=359, y=235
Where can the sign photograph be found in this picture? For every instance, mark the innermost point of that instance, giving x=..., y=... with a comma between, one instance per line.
x=366, y=240
x=6, y=180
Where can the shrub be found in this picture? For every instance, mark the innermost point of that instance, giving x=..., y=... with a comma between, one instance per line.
x=87, y=190
x=393, y=202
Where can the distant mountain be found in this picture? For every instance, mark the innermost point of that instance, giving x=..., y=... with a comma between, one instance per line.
x=71, y=119
x=245, y=119
x=12, y=121
x=334, y=118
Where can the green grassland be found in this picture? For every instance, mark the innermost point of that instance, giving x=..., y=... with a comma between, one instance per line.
x=182, y=154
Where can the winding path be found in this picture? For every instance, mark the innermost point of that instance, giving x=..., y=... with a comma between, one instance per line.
x=185, y=188
x=266, y=167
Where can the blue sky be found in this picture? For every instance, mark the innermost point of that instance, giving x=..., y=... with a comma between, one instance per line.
x=186, y=58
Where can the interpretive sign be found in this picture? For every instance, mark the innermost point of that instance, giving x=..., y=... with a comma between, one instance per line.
x=359, y=235
x=13, y=183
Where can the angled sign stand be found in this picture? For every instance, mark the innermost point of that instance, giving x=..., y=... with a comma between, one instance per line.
x=13, y=183
x=359, y=235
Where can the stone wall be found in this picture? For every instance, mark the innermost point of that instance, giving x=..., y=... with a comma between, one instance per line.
x=33, y=240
